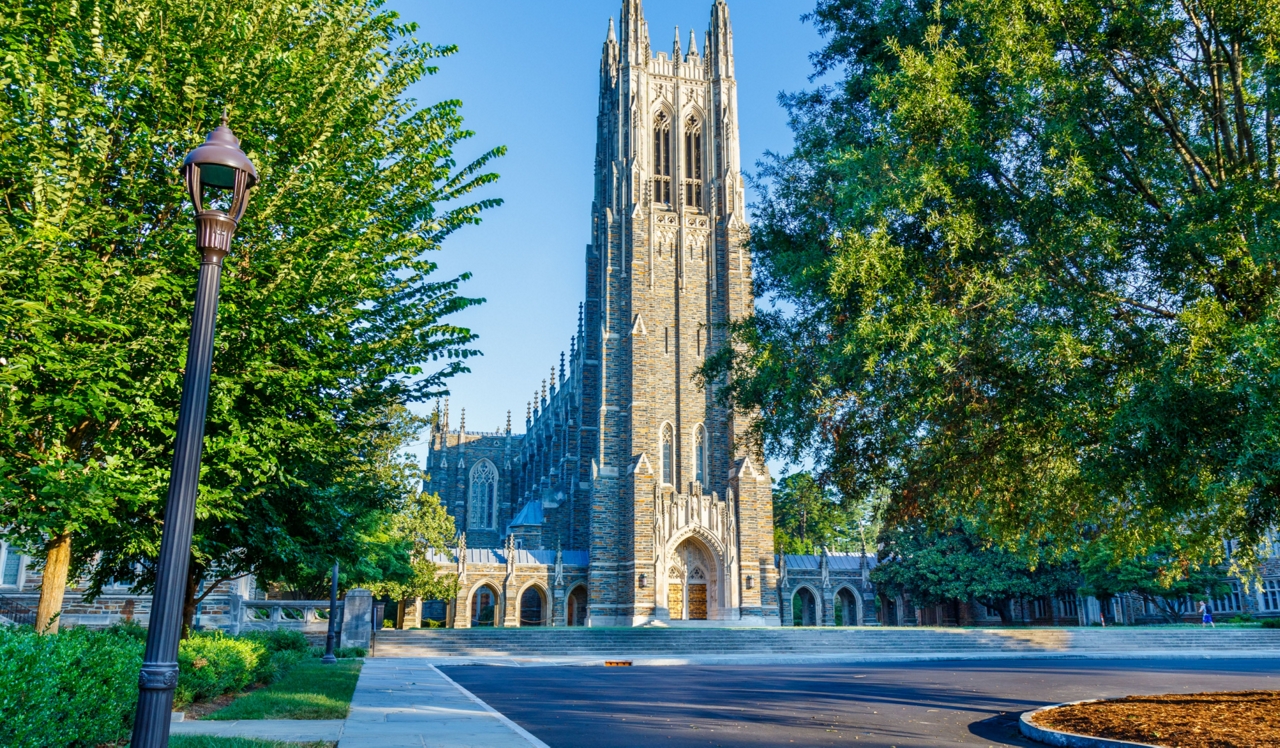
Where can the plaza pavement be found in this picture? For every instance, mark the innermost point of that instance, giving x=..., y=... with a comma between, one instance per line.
x=907, y=704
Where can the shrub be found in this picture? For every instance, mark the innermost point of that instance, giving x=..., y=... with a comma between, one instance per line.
x=75, y=688
x=279, y=640
x=1271, y=623
x=344, y=652
x=1242, y=618
x=211, y=664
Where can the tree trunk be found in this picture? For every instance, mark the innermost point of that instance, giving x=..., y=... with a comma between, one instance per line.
x=53, y=584
x=1104, y=604
x=195, y=572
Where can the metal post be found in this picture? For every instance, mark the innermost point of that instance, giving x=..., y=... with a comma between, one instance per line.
x=160, y=663
x=328, y=658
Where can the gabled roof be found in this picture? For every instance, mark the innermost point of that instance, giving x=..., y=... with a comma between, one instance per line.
x=522, y=557
x=836, y=561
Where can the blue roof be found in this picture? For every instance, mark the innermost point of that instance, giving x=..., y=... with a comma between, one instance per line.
x=530, y=514
x=522, y=557
x=836, y=560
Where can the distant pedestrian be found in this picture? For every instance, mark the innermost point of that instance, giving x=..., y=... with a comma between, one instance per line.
x=1206, y=615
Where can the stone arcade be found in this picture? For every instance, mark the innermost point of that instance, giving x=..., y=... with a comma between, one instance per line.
x=630, y=497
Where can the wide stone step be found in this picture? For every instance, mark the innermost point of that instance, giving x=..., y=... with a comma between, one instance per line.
x=812, y=642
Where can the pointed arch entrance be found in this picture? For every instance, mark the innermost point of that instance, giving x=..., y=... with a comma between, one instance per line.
x=692, y=581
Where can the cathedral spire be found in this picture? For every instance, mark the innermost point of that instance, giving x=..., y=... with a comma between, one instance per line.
x=693, y=44
x=634, y=33
x=611, y=38
x=675, y=45
x=508, y=423
x=562, y=367
x=720, y=50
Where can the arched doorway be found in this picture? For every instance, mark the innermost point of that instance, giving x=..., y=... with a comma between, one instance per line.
x=531, y=606
x=575, y=612
x=484, y=602
x=846, y=608
x=691, y=582
x=804, y=608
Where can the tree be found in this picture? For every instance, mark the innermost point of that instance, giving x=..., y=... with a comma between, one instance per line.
x=1160, y=577
x=1027, y=254
x=422, y=525
x=332, y=315
x=808, y=517
x=955, y=566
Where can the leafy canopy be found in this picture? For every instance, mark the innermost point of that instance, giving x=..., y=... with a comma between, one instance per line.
x=332, y=316
x=955, y=566
x=808, y=517
x=1028, y=253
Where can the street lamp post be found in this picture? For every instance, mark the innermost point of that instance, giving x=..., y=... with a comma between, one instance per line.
x=328, y=658
x=219, y=177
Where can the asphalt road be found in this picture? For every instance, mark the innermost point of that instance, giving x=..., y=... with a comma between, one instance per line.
x=967, y=703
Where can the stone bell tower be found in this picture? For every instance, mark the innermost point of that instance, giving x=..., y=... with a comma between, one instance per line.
x=680, y=519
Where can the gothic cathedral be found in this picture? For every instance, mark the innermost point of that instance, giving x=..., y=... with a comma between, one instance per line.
x=631, y=499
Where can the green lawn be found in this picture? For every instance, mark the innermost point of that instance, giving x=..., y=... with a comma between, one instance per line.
x=204, y=741
x=309, y=690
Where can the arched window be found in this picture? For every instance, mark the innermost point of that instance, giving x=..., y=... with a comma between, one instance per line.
x=700, y=454
x=481, y=510
x=662, y=159
x=668, y=454
x=693, y=163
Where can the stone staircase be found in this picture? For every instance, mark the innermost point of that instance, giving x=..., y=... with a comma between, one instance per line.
x=800, y=643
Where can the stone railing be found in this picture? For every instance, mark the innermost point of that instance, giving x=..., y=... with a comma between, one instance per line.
x=307, y=616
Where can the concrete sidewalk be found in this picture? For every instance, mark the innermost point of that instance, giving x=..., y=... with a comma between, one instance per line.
x=401, y=703
x=408, y=702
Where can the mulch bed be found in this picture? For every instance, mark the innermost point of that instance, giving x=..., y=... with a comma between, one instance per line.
x=1228, y=719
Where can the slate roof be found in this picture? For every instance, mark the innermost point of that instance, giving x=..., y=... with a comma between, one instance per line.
x=836, y=561
x=522, y=557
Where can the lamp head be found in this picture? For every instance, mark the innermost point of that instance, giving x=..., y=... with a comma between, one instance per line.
x=219, y=177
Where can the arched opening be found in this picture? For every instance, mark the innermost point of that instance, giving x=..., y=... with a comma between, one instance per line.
x=575, y=613
x=668, y=454
x=691, y=582
x=662, y=159
x=484, y=602
x=531, y=607
x=846, y=608
x=804, y=608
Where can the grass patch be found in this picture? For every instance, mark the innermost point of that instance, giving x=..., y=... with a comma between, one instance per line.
x=205, y=741
x=309, y=690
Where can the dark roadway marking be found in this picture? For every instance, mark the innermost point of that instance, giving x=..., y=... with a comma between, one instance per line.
x=899, y=705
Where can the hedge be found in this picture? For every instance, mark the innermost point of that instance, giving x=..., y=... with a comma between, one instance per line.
x=76, y=688
x=79, y=687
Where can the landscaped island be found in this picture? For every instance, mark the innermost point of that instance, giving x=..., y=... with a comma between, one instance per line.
x=1232, y=719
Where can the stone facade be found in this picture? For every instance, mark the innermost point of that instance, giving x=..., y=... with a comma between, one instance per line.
x=625, y=458
x=830, y=589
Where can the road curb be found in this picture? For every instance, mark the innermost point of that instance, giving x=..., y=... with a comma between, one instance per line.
x=1050, y=736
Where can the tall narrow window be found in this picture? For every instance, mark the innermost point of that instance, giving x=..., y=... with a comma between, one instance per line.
x=10, y=565
x=481, y=510
x=700, y=454
x=662, y=159
x=693, y=163
x=668, y=453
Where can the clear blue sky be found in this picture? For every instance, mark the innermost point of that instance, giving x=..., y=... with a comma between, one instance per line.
x=527, y=72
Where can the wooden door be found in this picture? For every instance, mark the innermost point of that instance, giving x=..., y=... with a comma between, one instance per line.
x=675, y=600
x=697, y=602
